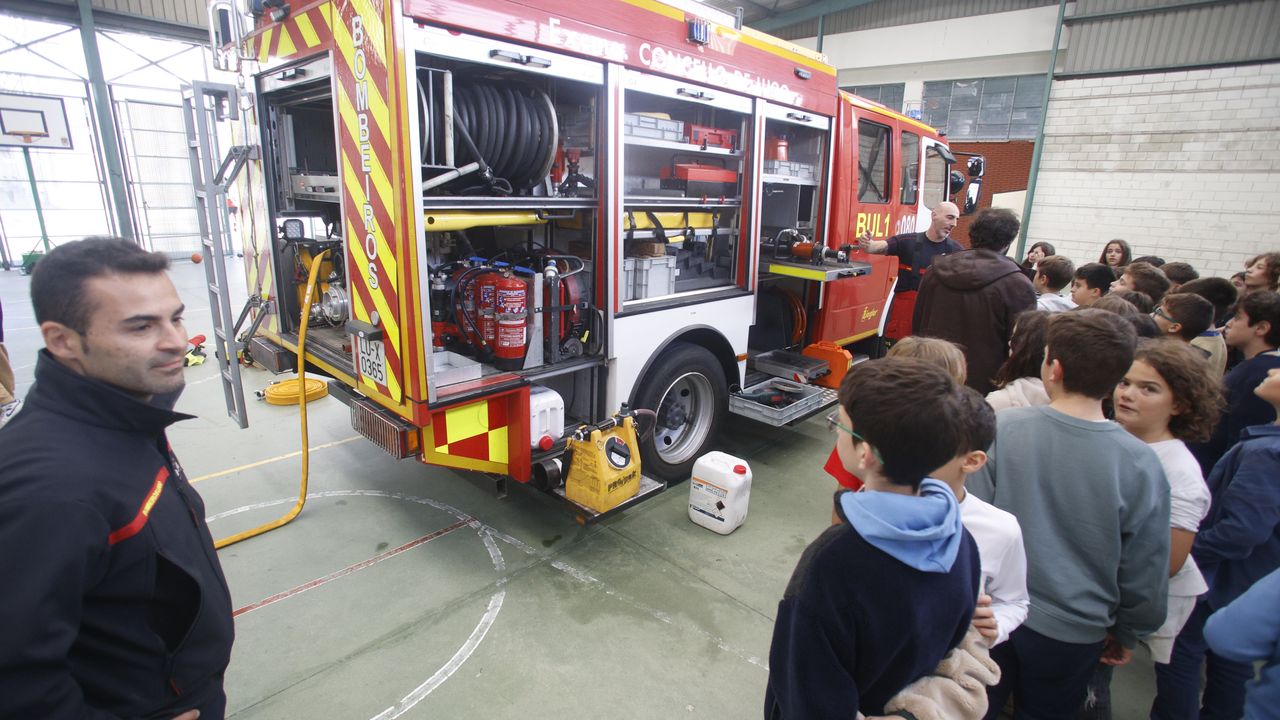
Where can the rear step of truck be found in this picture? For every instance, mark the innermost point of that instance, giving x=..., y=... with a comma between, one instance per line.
x=586, y=516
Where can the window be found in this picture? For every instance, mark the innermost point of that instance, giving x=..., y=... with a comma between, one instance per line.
x=873, y=162
x=1000, y=108
x=910, y=167
x=935, y=178
x=889, y=95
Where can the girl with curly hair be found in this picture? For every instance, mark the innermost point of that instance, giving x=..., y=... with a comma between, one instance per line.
x=1169, y=398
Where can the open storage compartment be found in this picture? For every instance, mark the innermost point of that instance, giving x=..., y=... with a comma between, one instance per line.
x=508, y=147
x=301, y=167
x=683, y=185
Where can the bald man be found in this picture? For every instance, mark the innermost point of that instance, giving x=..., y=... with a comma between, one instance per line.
x=915, y=252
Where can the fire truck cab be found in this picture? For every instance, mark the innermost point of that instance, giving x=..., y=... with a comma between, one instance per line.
x=532, y=214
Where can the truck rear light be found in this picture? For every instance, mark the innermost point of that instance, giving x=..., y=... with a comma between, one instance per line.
x=395, y=436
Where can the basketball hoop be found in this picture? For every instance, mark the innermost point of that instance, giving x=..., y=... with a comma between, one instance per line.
x=27, y=137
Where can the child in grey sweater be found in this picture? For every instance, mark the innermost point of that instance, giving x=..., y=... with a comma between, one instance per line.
x=1094, y=508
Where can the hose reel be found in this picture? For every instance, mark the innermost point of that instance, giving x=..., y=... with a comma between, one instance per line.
x=509, y=130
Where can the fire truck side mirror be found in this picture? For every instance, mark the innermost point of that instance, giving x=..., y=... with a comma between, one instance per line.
x=957, y=181
x=977, y=166
x=971, y=197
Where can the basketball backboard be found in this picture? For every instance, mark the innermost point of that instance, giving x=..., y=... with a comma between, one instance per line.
x=33, y=121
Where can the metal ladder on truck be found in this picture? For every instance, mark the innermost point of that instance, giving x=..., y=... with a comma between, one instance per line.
x=204, y=104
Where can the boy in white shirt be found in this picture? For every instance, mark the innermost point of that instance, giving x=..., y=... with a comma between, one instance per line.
x=1004, y=603
x=1052, y=275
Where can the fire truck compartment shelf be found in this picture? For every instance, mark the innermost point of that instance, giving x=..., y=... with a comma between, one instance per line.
x=681, y=146
x=681, y=202
x=800, y=170
x=794, y=401
x=787, y=180
x=446, y=221
x=449, y=368
x=790, y=365
x=561, y=368
x=820, y=273
x=437, y=203
x=315, y=186
x=648, y=488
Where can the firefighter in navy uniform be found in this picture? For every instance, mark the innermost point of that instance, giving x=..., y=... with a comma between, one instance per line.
x=115, y=605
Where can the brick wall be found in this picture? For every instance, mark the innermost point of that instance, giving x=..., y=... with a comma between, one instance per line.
x=1184, y=165
x=1008, y=164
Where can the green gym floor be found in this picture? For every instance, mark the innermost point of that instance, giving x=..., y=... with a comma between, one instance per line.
x=411, y=591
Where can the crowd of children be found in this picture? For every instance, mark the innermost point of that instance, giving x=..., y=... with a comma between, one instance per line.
x=1121, y=485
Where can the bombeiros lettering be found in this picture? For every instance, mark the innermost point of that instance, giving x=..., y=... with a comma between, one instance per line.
x=360, y=71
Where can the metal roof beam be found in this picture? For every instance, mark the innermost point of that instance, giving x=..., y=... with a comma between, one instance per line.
x=69, y=14
x=808, y=12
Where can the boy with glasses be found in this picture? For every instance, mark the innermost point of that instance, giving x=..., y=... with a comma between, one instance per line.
x=843, y=643
x=1184, y=316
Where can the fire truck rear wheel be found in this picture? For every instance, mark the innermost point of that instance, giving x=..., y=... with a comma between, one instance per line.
x=686, y=388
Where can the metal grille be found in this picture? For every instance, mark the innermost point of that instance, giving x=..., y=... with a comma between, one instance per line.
x=395, y=436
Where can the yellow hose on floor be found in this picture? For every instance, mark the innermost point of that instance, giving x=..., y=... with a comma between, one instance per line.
x=302, y=412
x=285, y=392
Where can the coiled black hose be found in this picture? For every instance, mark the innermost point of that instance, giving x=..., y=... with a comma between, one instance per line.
x=512, y=130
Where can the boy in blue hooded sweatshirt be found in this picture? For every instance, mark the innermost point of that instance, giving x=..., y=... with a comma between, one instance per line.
x=878, y=599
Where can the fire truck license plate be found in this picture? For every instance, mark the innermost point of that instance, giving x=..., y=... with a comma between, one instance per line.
x=373, y=360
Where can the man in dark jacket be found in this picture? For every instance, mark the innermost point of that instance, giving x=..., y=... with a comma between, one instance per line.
x=115, y=603
x=972, y=298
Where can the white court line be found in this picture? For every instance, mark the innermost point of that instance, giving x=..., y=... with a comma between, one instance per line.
x=422, y=691
x=447, y=670
x=488, y=533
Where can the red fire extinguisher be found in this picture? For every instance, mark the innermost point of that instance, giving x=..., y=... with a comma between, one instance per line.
x=511, y=304
x=486, y=302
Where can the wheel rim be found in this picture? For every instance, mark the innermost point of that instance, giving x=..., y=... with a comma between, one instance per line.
x=684, y=417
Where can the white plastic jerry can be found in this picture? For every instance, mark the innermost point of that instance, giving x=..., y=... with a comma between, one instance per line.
x=719, y=492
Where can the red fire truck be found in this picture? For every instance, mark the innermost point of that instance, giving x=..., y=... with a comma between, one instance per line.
x=531, y=214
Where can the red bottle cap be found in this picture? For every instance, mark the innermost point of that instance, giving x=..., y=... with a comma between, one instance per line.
x=740, y=469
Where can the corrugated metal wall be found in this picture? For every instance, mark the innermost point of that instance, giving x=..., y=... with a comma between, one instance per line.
x=173, y=17
x=182, y=12
x=889, y=13
x=1121, y=36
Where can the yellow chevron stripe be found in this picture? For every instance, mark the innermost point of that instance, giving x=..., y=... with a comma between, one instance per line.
x=287, y=47
x=265, y=47
x=308, y=30
x=327, y=13
x=360, y=312
x=378, y=110
x=389, y=319
x=374, y=27
x=381, y=183
x=356, y=190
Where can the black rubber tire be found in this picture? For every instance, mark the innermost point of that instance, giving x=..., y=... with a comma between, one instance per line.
x=700, y=393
